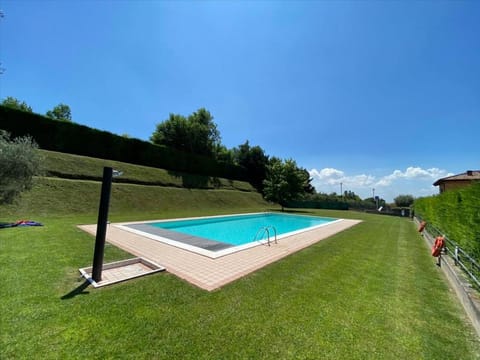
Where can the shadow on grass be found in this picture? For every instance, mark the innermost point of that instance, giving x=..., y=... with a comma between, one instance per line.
x=190, y=181
x=77, y=291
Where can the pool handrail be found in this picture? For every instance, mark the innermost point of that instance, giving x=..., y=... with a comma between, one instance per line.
x=266, y=229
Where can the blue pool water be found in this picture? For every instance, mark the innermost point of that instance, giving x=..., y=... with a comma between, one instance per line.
x=242, y=229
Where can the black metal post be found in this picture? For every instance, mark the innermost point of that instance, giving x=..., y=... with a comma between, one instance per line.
x=102, y=224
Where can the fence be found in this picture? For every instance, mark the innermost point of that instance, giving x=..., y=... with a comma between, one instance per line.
x=470, y=267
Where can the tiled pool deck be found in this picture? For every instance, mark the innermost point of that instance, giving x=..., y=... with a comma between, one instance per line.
x=208, y=273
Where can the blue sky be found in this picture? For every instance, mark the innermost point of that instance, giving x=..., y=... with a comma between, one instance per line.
x=380, y=95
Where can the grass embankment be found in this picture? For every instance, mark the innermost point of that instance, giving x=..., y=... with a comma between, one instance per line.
x=86, y=168
x=371, y=291
x=54, y=197
x=73, y=187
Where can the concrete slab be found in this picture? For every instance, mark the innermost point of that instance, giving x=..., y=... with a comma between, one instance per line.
x=121, y=271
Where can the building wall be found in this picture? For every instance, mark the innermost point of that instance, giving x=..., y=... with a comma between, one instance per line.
x=451, y=185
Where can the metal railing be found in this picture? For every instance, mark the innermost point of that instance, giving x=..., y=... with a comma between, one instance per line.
x=266, y=229
x=460, y=257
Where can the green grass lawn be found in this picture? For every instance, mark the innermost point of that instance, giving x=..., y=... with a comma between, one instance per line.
x=370, y=292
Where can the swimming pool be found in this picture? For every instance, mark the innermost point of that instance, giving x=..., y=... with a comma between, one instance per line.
x=220, y=235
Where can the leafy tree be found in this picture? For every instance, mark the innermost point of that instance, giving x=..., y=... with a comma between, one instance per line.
x=20, y=161
x=350, y=195
x=285, y=181
x=374, y=202
x=275, y=185
x=195, y=134
x=172, y=132
x=60, y=112
x=404, y=200
x=253, y=159
x=206, y=136
x=224, y=155
x=309, y=188
x=13, y=103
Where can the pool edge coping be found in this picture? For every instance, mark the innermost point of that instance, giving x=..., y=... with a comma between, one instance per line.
x=224, y=252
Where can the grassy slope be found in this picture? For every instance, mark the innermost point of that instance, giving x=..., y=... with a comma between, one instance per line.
x=83, y=167
x=65, y=194
x=53, y=197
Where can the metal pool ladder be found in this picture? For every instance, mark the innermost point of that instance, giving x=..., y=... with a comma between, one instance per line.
x=266, y=229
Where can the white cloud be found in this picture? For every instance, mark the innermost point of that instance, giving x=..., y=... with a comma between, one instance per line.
x=413, y=180
x=326, y=173
x=332, y=176
x=361, y=180
x=413, y=173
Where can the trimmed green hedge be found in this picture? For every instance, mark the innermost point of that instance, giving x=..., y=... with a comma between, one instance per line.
x=455, y=213
x=78, y=139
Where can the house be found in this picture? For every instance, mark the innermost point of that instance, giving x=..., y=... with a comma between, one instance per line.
x=457, y=181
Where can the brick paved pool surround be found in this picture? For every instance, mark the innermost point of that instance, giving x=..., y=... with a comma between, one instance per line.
x=206, y=247
x=212, y=273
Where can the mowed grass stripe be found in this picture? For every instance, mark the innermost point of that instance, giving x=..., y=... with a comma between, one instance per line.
x=371, y=292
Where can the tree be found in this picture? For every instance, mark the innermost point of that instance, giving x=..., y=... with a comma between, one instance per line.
x=13, y=103
x=171, y=132
x=20, y=161
x=309, y=188
x=350, y=195
x=224, y=155
x=285, y=181
x=60, y=112
x=253, y=159
x=205, y=135
x=195, y=134
x=404, y=200
x=374, y=202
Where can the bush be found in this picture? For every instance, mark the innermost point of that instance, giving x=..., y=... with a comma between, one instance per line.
x=20, y=161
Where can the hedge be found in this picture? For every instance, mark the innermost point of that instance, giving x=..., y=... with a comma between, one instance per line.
x=455, y=213
x=72, y=138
